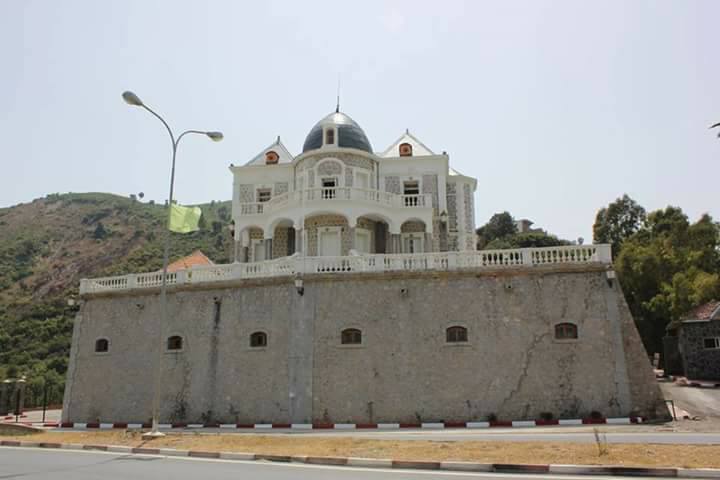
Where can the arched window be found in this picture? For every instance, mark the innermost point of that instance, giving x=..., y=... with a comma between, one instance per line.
x=175, y=342
x=102, y=345
x=351, y=336
x=456, y=334
x=258, y=339
x=405, y=150
x=566, y=331
x=271, y=157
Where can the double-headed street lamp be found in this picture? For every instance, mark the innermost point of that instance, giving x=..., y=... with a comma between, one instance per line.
x=132, y=99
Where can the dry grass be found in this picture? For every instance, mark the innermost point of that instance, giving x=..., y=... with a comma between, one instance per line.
x=475, y=451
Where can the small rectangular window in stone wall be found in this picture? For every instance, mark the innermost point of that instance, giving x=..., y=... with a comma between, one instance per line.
x=430, y=185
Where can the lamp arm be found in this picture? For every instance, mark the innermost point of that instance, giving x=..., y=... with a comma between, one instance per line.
x=172, y=136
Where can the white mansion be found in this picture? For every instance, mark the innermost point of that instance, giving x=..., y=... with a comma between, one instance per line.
x=338, y=198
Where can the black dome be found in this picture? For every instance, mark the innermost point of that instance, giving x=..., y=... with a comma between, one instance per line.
x=350, y=135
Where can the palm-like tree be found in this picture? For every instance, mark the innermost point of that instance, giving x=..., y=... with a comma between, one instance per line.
x=715, y=126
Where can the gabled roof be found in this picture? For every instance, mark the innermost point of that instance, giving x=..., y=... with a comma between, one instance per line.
x=419, y=148
x=277, y=146
x=197, y=258
x=707, y=311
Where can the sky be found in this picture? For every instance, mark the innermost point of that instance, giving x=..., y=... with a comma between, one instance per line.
x=556, y=107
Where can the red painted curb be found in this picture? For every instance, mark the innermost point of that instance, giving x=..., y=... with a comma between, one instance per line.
x=501, y=423
x=328, y=426
x=455, y=424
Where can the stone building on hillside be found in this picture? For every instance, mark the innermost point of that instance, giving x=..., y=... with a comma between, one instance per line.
x=357, y=297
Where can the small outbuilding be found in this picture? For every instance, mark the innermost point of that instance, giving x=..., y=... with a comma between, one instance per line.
x=698, y=342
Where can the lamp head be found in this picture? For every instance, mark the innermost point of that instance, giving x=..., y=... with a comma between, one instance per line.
x=215, y=136
x=132, y=99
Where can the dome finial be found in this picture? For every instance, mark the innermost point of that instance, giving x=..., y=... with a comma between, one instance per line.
x=337, y=105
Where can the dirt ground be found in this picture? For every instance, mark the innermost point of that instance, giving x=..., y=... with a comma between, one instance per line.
x=475, y=451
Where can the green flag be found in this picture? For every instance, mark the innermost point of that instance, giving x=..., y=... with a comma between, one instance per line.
x=184, y=219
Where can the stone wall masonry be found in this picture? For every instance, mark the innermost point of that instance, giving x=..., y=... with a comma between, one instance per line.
x=312, y=225
x=280, y=242
x=392, y=184
x=404, y=371
x=700, y=363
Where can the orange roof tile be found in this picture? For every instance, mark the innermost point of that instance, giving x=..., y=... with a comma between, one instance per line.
x=194, y=259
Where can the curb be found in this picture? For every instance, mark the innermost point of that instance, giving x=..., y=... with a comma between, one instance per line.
x=388, y=463
x=353, y=426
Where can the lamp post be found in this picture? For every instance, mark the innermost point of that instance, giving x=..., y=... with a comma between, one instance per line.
x=132, y=99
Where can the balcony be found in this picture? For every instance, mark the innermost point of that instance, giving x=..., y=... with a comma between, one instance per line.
x=523, y=258
x=315, y=196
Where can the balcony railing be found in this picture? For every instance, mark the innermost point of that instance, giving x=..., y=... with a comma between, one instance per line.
x=309, y=195
x=288, y=266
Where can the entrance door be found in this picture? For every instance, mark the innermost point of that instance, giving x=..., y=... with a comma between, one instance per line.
x=329, y=242
x=258, y=247
x=362, y=240
x=413, y=242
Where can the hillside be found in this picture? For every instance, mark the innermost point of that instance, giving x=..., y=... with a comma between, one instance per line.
x=49, y=244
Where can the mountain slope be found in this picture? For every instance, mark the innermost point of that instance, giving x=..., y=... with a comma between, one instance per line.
x=49, y=244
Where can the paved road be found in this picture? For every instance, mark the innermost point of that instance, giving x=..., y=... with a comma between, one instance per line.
x=702, y=402
x=32, y=464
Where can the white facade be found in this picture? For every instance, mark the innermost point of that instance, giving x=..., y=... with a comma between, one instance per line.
x=339, y=197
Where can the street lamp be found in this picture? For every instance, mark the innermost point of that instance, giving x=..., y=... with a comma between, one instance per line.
x=132, y=99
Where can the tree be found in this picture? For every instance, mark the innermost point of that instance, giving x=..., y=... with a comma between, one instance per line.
x=527, y=240
x=618, y=221
x=499, y=226
x=666, y=268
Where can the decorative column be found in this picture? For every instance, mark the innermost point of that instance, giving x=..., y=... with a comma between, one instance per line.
x=243, y=245
x=428, y=247
x=268, y=249
x=299, y=240
x=351, y=232
x=395, y=243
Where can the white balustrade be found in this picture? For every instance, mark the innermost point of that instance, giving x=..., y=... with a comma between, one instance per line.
x=300, y=197
x=411, y=262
